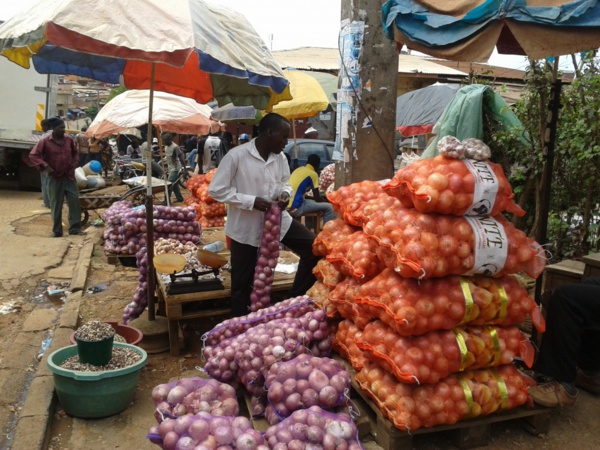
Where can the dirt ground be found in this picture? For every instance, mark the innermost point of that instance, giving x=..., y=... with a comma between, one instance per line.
x=578, y=427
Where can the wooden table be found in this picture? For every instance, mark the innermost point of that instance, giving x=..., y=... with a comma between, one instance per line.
x=197, y=305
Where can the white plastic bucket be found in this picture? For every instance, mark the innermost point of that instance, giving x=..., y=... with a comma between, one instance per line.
x=93, y=168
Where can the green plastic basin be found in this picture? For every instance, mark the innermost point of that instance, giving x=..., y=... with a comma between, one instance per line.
x=91, y=395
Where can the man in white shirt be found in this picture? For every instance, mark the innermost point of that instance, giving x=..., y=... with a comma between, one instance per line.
x=249, y=179
x=209, y=153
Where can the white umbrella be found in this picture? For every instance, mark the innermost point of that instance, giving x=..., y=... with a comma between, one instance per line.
x=169, y=113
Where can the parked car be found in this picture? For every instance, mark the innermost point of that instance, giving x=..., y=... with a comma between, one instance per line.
x=307, y=147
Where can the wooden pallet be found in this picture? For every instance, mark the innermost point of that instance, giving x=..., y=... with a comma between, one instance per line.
x=465, y=434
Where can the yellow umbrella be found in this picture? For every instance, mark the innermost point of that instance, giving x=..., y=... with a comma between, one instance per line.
x=308, y=100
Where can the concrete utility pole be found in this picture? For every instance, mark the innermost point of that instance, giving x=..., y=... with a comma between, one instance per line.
x=367, y=96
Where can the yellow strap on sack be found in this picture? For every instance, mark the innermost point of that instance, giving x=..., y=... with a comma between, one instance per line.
x=503, y=301
x=462, y=346
x=502, y=388
x=464, y=284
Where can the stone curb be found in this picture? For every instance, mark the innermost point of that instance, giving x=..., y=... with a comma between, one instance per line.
x=33, y=425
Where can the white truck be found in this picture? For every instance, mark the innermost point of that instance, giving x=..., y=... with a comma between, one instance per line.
x=26, y=97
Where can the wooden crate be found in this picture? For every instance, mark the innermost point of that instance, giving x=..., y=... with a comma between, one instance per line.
x=592, y=265
x=565, y=272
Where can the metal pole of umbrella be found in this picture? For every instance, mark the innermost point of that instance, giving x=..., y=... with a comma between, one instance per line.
x=151, y=281
x=295, y=165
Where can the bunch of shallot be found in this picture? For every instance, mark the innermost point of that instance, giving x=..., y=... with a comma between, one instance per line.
x=267, y=259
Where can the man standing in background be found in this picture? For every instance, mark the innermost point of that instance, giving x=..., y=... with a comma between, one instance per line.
x=209, y=154
x=175, y=162
x=82, y=142
x=57, y=156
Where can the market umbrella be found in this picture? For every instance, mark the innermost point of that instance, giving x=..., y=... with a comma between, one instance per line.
x=418, y=111
x=468, y=30
x=185, y=47
x=309, y=99
x=169, y=113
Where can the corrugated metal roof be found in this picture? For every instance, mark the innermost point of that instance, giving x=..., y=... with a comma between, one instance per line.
x=327, y=59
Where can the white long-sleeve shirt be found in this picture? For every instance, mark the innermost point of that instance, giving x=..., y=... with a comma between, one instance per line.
x=242, y=176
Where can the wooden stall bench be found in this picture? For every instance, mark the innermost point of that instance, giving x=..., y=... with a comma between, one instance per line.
x=198, y=305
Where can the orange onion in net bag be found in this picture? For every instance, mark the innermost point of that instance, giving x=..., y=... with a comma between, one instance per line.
x=413, y=308
x=434, y=245
x=458, y=187
x=344, y=343
x=349, y=201
x=432, y=356
x=469, y=394
x=332, y=232
x=343, y=298
x=355, y=255
x=319, y=292
x=212, y=209
x=327, y=273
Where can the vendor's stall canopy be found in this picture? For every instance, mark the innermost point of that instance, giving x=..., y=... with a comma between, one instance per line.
x=468, y=30
x=418, y=111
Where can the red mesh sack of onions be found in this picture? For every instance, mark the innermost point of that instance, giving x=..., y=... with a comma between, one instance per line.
x=139, y=302
x=433, y=245
x=327, y=177
x=194, y=182
x=192, y=395
x=458, y=187
x=212, y=209
x=306, y=381
x=280, y=340
x=412, y=308
x=328, y=274
x=343, y=297
x=428, y=358
x=206, y=432
x=203, y=195
x=264, y=273
x=333, y=231
x=253, y=351
x=349, y=201
x=355, y=256
x=292, y=307
x=212, y=222
x=464, y=395
x=313, y=429
x=344, y=343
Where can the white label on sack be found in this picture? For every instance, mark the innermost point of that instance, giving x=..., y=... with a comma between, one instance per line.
x=485, y=189
x=491, y=246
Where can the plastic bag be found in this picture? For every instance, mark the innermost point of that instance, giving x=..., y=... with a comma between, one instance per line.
x=344, y=343
x=428, y=358
x=412, y=308
x=317, y=427
x=333, y=231
x=458, y=187
x=306, y=381
x=355, y=256
x=419, y=245
x=206, y=430
x=192, y=395
x=465, y=395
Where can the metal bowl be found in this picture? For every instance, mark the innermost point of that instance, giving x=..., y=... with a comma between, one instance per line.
x=169, y=263
x=211, y=259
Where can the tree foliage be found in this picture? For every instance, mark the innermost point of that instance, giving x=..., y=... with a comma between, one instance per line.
x=574, y=217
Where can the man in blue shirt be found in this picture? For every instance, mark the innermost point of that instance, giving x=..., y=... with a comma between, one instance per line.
x=305, y=179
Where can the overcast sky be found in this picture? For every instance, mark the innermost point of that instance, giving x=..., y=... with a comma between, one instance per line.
x=286, y=24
